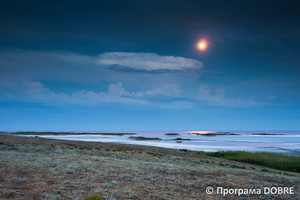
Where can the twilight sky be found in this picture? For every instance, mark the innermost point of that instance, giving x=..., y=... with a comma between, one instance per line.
x=133, y=65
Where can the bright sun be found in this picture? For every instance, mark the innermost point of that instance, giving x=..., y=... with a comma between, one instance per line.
x=202, y=45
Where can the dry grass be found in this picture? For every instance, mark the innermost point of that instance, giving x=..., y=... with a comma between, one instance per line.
x=51, y=169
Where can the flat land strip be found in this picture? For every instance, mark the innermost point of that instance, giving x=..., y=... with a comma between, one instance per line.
x=36, y=168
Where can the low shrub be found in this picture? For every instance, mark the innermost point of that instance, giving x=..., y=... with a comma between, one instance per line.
x=275, y=161
x=93, y=197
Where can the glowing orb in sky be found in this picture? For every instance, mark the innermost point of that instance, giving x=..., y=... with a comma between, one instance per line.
x=202, y=45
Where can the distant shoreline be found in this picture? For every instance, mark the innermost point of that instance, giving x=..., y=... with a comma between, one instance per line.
x=62, y=133
x=195, y=141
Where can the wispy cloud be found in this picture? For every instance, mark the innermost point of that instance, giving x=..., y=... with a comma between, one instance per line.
x=207, y=93
x=148, y=62
x=164, y=90
x=216, y=96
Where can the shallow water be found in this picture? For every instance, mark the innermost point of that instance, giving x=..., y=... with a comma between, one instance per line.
x=289, y=143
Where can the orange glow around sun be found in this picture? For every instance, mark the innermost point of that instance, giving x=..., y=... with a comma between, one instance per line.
x=202, y=45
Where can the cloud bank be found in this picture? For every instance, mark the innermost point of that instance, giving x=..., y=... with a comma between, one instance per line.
x=68, y=78
x=35, y=91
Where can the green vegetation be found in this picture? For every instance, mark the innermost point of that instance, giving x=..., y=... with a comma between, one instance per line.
x=144, y=138
x=171, y=134
x=238, y=167
x=93, y=197
x=289, y=174
x=275, y=161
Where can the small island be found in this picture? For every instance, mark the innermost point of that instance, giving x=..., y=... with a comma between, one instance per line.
x=143, y=138
x=182, y=139
x=179, y=140
x=172, y=134
x=266, y=134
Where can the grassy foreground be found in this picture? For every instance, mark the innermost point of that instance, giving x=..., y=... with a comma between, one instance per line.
x=35, y=168
x=275, y=161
